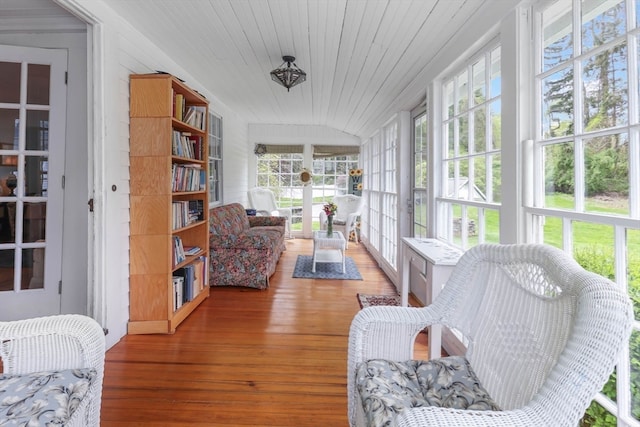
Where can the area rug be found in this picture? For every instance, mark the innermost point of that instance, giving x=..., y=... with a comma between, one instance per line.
x=325, y=270
x=366, y=300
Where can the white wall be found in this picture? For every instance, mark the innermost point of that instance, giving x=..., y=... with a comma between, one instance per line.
x=235, y=152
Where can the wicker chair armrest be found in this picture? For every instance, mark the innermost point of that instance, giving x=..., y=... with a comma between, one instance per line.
x=427, y=416
x=383, y=332
x=51, y=343
x=388, y=332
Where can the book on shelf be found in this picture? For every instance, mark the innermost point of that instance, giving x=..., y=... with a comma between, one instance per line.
x=186, y=212
x=196, y=210
x=179, y=109
x=188, y=178
x=178, y=251
x=192, y=282
x=178, y=286
x=195, y=116
x=198, y=270
x=191, y=250
x=184, y=144
x=205, y=270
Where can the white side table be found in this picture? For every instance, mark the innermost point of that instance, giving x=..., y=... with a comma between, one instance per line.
x=328, y=249
x=435, y=260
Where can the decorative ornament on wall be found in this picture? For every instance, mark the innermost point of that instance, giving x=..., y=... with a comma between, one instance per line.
x=260, y=149
x=306, y=177
x=355, y=181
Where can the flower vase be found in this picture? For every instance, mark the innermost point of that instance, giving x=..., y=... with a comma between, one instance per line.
x=329, y=225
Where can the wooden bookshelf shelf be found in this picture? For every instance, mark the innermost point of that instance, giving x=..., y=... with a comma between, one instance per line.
x=159, y=106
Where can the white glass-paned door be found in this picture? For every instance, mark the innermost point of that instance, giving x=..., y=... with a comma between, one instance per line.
x=32, y=141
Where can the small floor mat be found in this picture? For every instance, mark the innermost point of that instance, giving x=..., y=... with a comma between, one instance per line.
x=325, y=270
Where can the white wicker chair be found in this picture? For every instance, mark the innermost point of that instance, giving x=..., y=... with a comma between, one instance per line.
x=350, y=208
x=57, y=343
x=544, y=336
x=264, y=202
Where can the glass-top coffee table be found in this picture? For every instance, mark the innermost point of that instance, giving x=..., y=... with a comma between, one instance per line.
x=328, y=249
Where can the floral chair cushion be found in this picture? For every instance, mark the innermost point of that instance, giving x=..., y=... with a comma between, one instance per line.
x=43, y=398
x=387, y=388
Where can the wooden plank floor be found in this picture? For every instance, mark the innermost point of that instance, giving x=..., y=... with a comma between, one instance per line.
x=246, y=357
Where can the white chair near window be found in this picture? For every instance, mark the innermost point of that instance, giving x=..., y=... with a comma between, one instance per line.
x=264, y=202
x=346, y=218
x=544, y=336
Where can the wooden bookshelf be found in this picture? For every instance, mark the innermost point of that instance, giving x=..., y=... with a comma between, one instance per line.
x=154, y=121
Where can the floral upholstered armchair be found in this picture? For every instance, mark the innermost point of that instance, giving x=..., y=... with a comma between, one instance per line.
x=243, y=250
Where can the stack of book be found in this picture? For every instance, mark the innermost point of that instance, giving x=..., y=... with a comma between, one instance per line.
x=195, y=116
x=186, y=212
x=183, y=144
x=189, y=281
x=188, y=178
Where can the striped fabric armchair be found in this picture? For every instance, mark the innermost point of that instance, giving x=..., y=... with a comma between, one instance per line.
x=544, y=335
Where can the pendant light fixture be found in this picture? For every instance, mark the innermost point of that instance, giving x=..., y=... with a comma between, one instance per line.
x=288, y=74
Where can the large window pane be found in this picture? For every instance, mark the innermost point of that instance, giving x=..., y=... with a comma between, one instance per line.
x=36, y=182
x=330, y=178
x=463, y=136
x=593, y=247
x=420, y=214
x=479, y=130
x=633, y=284
x=494, y=189
x=605, y=79
x=633, y=275
x=462, y=92
x=421, y=170
x=38, y=84
x=479, y=82
x=449, y=100
x=496, y=78
x=552, y=234
x=10, y=82
x=602, y=22
x=634, y=385
x=557, y=104
x=491, y=226
x=37, y=130
x=559, y=179
x=451, y=139
x=607, y=174
x=558, y=35
x=9, y=129
x=280, y=173
x=496, y=125
x=471, y=153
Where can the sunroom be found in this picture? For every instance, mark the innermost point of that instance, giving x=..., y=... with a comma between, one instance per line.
x=522, y=124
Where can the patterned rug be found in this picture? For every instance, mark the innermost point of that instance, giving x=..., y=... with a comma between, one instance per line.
x=370, y=300
x=325, y=270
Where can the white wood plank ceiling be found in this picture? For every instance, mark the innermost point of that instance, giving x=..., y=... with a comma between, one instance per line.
x=363, y=58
